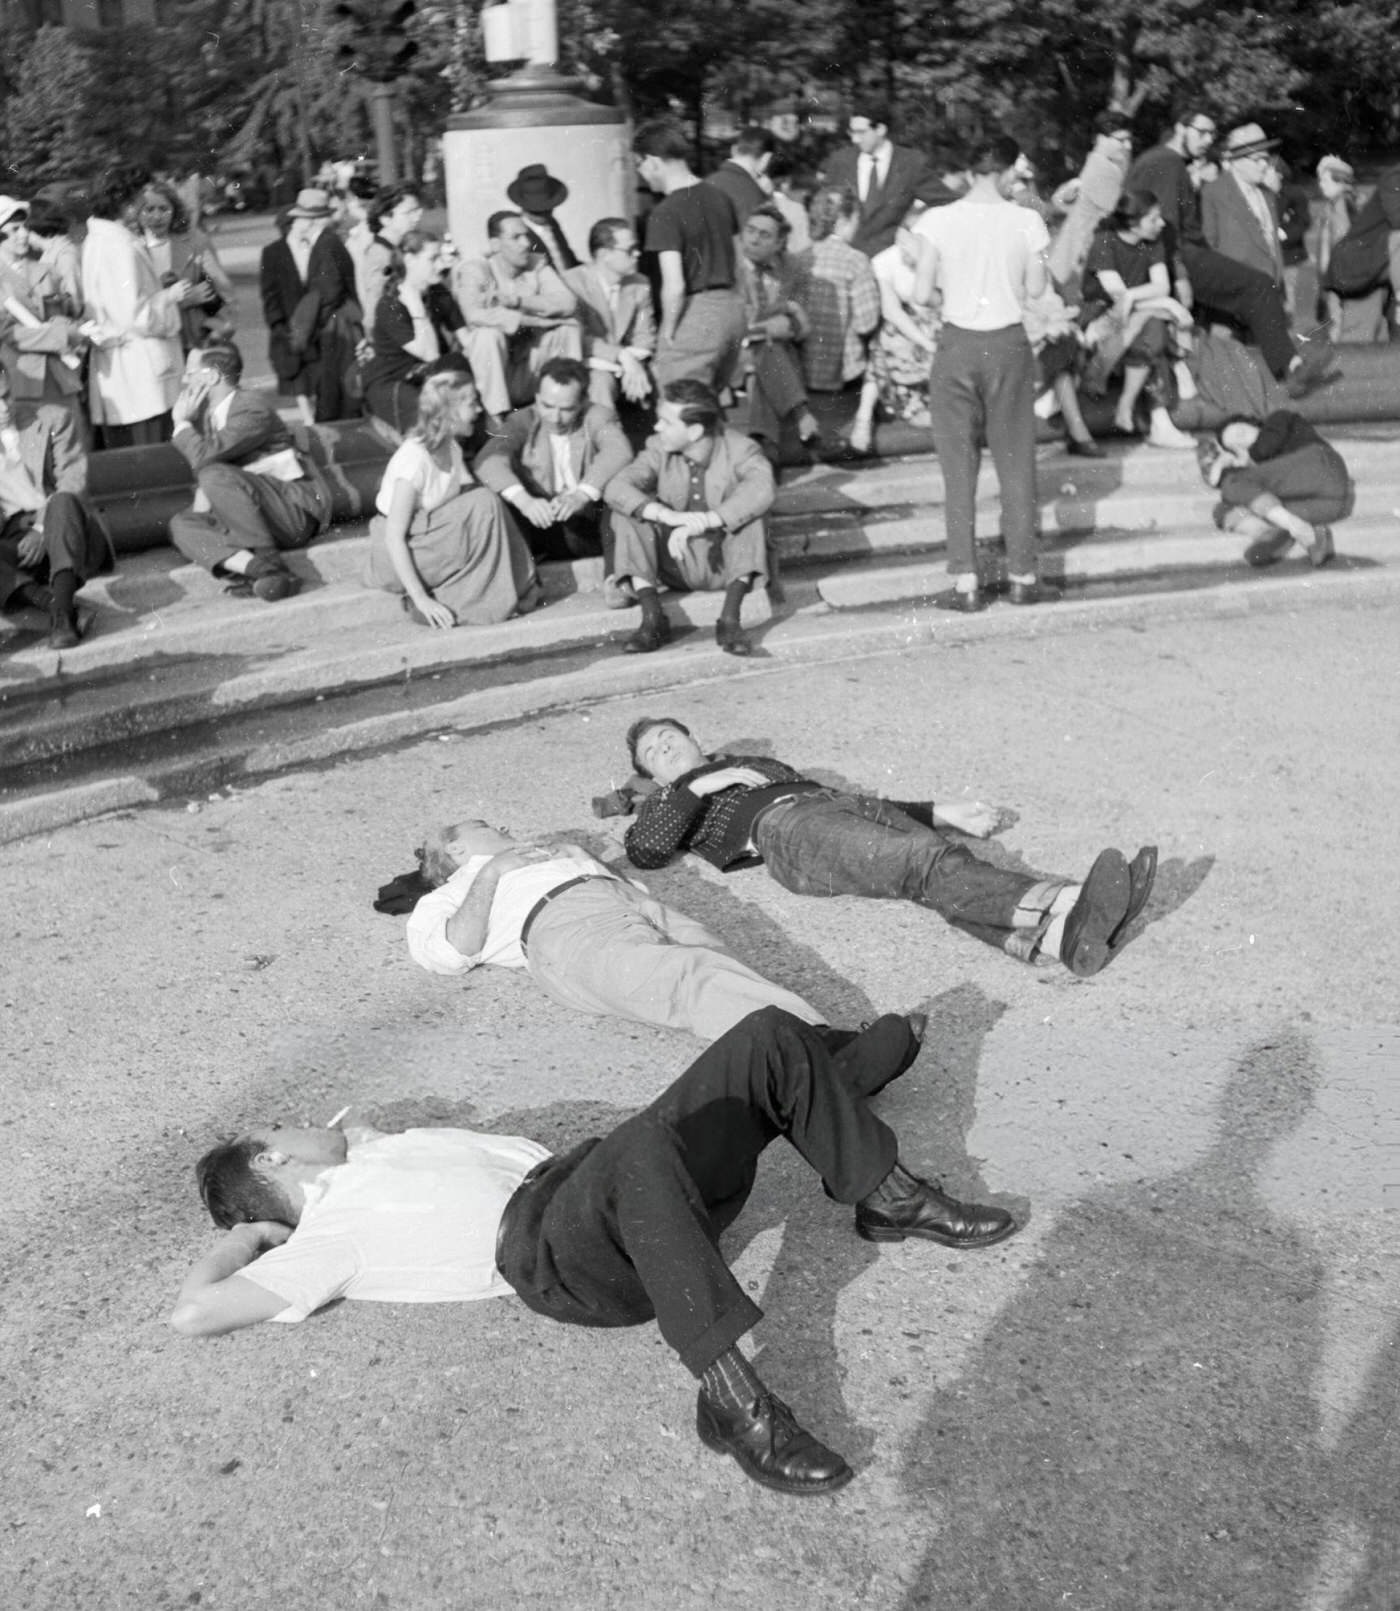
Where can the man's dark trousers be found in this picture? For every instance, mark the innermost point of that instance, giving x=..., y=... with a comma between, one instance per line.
x=983, y=384
x=827, y=843
x=257, y=512
x=626, y=1229
x=73, y=541
x=1246, y=297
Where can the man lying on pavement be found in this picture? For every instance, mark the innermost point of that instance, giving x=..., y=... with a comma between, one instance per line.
x=618, y=1231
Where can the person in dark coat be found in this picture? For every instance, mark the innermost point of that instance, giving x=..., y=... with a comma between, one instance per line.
x=1280, y=483
x=741, y=178
x=327, y=323
x=281, y=287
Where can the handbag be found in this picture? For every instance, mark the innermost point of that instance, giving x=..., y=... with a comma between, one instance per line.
x=1360, y=261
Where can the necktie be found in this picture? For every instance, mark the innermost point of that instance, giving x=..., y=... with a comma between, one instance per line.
x=866, y=177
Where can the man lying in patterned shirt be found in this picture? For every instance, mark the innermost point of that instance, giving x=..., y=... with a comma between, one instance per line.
x=737, y=811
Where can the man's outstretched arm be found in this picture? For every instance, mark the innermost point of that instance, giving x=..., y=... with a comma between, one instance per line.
x=215, y=1298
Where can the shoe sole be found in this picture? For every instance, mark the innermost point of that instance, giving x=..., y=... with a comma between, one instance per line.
x=828, y=1485
x=892, y=1233
x=1107, y=890
x=1137, y=899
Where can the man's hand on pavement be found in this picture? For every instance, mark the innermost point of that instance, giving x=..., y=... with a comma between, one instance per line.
x=728, y=777
x=970, y=817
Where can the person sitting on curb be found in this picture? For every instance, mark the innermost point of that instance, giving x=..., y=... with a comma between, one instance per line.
x=738, y=810
x=1280, y=483
x=257, y=495
x=51, y=540
x=618, y=1231
x=550, y=462
x=688, y=513
x=519, y=314
x=615, y=311
x=588, y=936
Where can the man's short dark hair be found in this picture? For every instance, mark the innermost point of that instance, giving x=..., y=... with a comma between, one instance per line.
x=604, y=234
x=226, y=359
x=698, y=405
x=754, y=141
x=766, y=209
x=565, y=372
x=1187, y=108
x=638, y=731
x=994, y=153
x=876, y=113
x=232, y=1189
x=497, y=222
x=665, y=138
x=1113, y=121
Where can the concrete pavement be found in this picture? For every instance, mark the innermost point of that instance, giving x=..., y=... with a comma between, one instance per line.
x=1175, y=1388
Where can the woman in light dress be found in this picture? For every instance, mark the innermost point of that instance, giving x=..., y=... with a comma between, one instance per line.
x=440, y=538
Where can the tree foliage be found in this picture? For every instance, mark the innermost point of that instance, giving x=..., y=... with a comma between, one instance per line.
x=256, y=83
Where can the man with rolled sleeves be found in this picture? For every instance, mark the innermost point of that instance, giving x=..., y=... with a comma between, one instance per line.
x=691, y=231
x=688, y=513
x=986, y=256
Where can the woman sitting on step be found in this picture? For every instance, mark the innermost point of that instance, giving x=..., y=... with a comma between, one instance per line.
x=440, y=538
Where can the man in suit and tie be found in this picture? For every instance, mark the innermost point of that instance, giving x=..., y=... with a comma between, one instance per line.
x=615, y=311
x=257, y=495
x=1239, y=216
x=886, y=177
x=51, y=541
x=742, y=177
x=551, y=461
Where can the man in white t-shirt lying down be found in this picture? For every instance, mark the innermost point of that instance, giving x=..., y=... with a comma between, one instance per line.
x=619, y=1231
x=589, y=937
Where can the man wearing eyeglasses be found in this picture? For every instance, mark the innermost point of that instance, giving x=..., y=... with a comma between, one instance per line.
x=614, y=308
x=1234, y=292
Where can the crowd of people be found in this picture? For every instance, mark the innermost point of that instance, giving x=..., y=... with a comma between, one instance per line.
x=633, y=402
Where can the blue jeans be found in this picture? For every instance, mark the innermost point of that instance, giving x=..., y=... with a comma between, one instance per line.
x=829, y=843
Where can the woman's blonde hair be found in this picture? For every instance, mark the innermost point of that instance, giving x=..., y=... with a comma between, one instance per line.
x=435, y=405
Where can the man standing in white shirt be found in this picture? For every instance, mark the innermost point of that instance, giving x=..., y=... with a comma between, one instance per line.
x=590, y=938
x=619, y=1231
x=985, y=257
x=257, y=495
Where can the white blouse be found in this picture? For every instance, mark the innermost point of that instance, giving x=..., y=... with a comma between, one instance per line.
x=432, y=487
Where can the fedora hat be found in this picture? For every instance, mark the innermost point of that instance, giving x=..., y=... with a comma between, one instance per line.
x=311, y=203
x=535, y=190
x=1249, y=140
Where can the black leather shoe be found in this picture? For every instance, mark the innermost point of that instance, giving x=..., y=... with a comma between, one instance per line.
x=928, y=1214
x=65, y=629
x=1142, y=873
x=1031, y=593
x=1266, y=551
x=770, y=1446
x=963, y=602
x=1087, y=449
x=649, y=637
x=1097, y=915
x=732, y=638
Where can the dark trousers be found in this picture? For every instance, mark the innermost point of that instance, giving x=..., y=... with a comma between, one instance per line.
x=827, y=843
x=626, y=1229
x=982, y=385
x=1244, y=296
x=257, y=512
x=140, y=433
x=589, y=532
x=73, y=541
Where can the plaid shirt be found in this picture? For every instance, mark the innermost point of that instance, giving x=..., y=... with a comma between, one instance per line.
x=842, y=298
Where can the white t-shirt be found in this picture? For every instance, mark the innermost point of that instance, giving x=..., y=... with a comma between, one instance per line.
x=516, y=895
x=983, y=250
x=893, y=269
x=408, y=1218
x=431, y=486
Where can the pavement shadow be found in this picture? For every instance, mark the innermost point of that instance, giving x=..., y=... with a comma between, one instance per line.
x=1137, y=1429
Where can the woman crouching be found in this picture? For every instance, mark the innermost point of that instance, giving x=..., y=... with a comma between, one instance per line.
x=440, y=538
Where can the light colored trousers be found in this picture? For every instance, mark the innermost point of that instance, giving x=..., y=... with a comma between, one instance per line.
x=606, y=947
